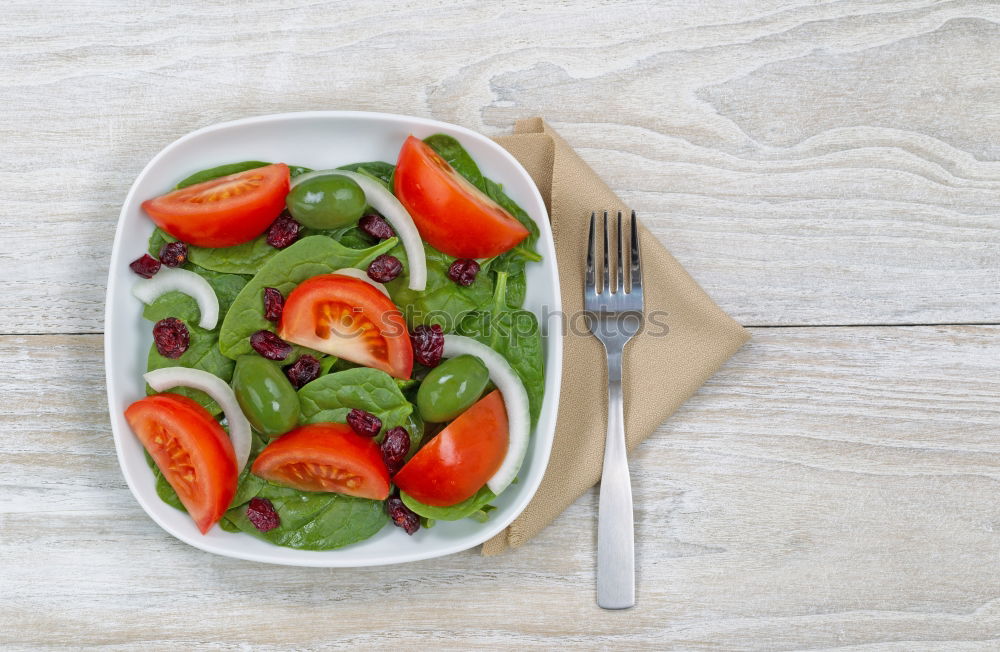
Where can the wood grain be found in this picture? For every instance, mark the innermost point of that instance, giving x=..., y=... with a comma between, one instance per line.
x=829, y=488
x=811, y=163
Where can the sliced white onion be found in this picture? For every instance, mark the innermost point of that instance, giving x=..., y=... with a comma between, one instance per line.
x=515, y=400
x=362, y=276
x=168, y=378
x=170, y=279
x=382, y=200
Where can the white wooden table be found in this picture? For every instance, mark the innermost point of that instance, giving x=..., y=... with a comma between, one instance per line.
x=827, y=170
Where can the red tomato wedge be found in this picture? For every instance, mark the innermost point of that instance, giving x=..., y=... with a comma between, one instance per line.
x=351, y=319
x=325, y=457
x=451, y=214
x=461, y=458
x=225, y=211
x=191, y=450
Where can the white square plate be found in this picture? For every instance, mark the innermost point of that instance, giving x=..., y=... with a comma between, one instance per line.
x=322, y=139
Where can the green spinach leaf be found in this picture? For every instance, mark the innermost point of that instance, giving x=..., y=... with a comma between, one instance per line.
x=443, y=301
x=312, y=520
x=177, y=304
x=515, y=335
x=379, y=170
x=159, y=238
x=468, y=507
x=329, y=398
x=452, y=151
x=306, y=258
x=233, y=168
x=244, y=258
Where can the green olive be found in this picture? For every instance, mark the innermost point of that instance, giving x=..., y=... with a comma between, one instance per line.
x=330, y=201
x=266, y=396
x=451, y=388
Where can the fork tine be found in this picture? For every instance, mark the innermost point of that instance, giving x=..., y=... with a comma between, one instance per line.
x=605, y=277
x=635, y=269
x=619, y=261
x=589, y=281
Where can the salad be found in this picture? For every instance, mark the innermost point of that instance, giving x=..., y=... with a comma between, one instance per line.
x=335, y=350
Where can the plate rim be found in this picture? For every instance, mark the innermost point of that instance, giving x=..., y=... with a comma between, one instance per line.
x=552, y=328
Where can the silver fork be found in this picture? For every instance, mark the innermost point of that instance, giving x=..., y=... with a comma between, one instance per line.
x=615, y=316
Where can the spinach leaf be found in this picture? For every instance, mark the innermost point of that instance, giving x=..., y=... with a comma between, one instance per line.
x=329, y=398
x=306, y=258
x=452, y=151
x=249, y=257
x=159, y=238
x=244, y=258
x=233, y=168
x=517, y=287
x=312, y=520
x=219, y=171
x=379, y=170
x=177, y=304
x=515, y=335
x=202, y=353
x=354, y=238
x=443, y=301
x=466, y=508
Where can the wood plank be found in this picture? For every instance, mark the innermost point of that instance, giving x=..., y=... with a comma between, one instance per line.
x=830, y=487
x=810, y=163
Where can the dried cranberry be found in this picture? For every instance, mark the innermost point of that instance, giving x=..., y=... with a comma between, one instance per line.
x=402, y=516
x=384, y=268
x=174, y=254
x=145, y=266
x=261, y=513
x=376, y=227
x=463, y=271
x=283, y=231
x=274, y=303
x=305, y=370
x=395, y=445
x=364, y=423
x=270, y=345
x=171, y=337
x=428, y=344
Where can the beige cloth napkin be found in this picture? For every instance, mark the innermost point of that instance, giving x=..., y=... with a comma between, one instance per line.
x=660, y=372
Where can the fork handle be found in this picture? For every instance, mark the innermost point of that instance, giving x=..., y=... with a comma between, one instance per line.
x=615, y=536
